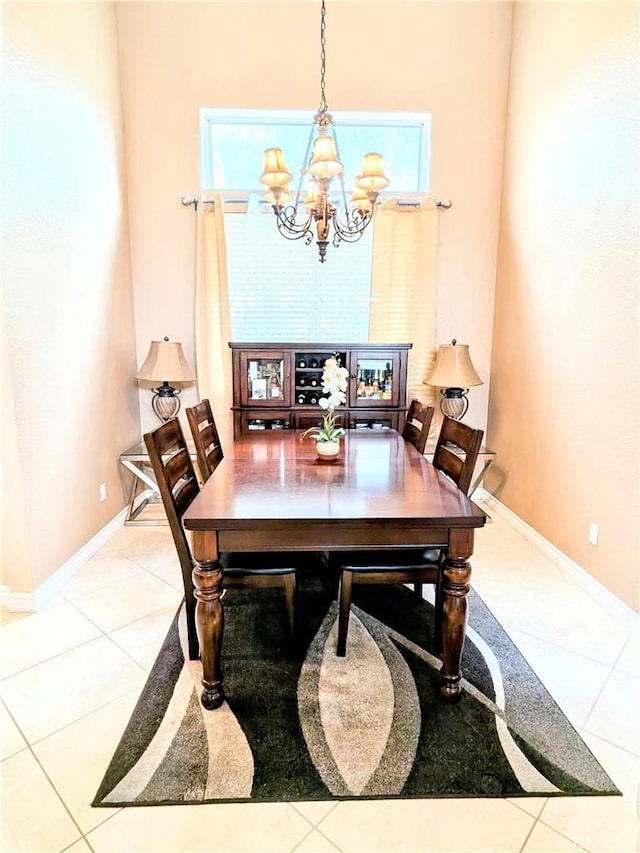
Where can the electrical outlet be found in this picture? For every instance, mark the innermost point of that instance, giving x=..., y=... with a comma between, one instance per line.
x=103, y=491
x=594, y=532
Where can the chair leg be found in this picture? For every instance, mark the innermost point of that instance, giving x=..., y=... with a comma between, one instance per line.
x=437, y=615
x=190, y=610
x=192, y=634
x=290, y=596
x=343, y=611
x=417, y=591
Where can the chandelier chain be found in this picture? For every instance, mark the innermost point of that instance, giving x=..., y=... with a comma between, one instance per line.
x=323, y=43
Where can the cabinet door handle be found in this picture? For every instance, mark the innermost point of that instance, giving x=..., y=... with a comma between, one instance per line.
x=353, y=376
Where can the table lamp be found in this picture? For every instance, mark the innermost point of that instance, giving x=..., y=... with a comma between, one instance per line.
x=166, y=363
x=454, y=374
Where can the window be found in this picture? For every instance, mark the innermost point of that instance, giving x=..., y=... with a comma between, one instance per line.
x=233, y=143
x=278, y=289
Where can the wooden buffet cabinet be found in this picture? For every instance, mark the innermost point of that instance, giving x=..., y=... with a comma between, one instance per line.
x=278, y=386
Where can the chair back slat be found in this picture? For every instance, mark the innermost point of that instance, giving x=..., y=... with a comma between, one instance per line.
x=455, y=436
x=205, y=437
x=417, y=425
x=178, y=467
x=178, y=485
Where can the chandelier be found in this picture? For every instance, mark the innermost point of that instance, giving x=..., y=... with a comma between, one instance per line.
x=321, y=165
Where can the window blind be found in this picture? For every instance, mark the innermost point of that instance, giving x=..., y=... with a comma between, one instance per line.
x=279, y=291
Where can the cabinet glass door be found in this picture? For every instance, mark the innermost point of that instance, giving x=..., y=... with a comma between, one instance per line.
x=266, y=380
x=374, y=380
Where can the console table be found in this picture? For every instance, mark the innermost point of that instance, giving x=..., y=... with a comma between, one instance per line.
x=486, y=458
x=136, y=461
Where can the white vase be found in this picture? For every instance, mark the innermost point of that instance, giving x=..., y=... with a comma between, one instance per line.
x=328, y=449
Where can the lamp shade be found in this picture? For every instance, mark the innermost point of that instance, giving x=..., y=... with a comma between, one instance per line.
x=166, y=363
x=373, y=177
x=453, y=368
x=275, y=172
x=324, y=163
x=360, y=199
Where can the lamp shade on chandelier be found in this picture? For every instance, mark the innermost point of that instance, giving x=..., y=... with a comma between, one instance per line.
x=320, y=167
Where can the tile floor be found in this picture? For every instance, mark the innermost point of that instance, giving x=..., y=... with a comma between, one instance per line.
x=70, y=676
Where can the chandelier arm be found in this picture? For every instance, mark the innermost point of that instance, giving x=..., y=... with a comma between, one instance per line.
x=346, y=237
x=353, y=229
x=288, y=216
x=288, y=227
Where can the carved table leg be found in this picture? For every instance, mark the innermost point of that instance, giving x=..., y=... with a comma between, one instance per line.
x=207, y=580
x=456, y=572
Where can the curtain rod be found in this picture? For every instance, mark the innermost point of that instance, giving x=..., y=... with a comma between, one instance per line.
x=188, y=200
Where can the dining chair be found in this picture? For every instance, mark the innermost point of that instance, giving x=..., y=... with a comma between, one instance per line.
x=205, y=437
x=178, y=485
x=455, y=455
x=417, y=425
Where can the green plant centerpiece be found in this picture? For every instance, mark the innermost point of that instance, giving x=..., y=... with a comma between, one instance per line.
x=334, y=385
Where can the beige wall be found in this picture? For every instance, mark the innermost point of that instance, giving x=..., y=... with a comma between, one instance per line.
x=450, y=59
x=564, y=396
x=15, y=568
x=66, y=280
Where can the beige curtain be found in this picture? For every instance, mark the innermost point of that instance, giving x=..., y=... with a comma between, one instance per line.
x=403, y=286
x=213, y=318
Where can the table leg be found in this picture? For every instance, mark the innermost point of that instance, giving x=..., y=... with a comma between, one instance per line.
x=207, y=582
x=456, y=571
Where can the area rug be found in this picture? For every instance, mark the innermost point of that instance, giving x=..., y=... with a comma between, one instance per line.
x=300, y=723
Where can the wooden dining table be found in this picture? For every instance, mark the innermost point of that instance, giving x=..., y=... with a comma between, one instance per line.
x=272, y=493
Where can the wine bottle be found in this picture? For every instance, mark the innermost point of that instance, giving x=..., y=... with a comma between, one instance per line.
x=302, y=380
x=313, y=362
x=301, y=399
x=312, y=399
x=302, y=363
x=314, y=381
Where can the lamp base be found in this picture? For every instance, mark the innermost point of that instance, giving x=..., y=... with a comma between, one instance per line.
x=165, y=402
x=454, y=403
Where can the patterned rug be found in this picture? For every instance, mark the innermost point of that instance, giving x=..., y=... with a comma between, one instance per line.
x=300, y=723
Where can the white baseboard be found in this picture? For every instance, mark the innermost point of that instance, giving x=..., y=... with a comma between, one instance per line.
x=604, y=597
x=30, y=602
